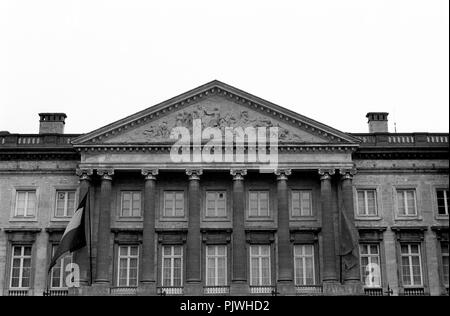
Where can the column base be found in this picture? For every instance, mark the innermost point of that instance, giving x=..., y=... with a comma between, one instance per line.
x=239, y=289
x=193, y=289
x=146, y=289
x=285, y=288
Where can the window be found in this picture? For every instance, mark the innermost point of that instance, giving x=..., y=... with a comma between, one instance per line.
x=301, y=203
x=445, y=267
x=173, y=204
x=411, y=265
x=304, y=265
x=367, y=205
x=260, y=265
x=216, y=204
x=20, y=267
x=128, y=260
x=59, y=274
x=65, y=203
x=216, y=265
x=25, y=204
x=172, y=266
x=259, y=204
x=131, y=204
x=443, y=200
x=406, y=202
x=370, y=265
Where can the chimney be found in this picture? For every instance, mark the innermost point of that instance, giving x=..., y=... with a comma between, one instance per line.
x=378, y=122
x=52, y=123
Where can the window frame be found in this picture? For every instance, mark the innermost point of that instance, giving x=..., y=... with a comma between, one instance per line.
x=164, y=217
x=260, y=257
x=370, y=255
x=399, y=216
x=216, y=258
x=22, y=257
x=410, y=255
x=16, y=191
x=313, y=256
x=172, y=256
x=446, y=205
x=128, y=257
x=269, y=201
x=210, y=217
x=121, y=200
x=53, y=247
x=366, y=214
x=291, y=203
x=66, y=191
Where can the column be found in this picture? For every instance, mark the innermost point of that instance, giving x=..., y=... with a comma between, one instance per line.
x=328, y=236
x=104, y=227
x=239, y=257
x=193, y=239
x=81, y=257
x=148, y=278
x=352, y=274
x=285, y=257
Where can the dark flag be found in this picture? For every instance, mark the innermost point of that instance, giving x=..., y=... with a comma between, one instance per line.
x=74, y=236
x=349, y=242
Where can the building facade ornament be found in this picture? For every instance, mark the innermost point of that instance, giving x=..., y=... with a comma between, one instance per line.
x=194, y=174
x=150, y=174
x=105, y=174
x=325, y=174
x=347, y=174
x=282, y=174
x=84, y=174
x=238, y=174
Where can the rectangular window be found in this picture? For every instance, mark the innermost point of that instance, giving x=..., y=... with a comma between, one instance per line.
x=406, y=202
x=127, y=266
x=65, y=203
x=301, y=203
x=131, y=204
x=411, y=265
x=59, y=274
x=304, y=265
x=20, y=267
x=260, y=265
x=216, y=265
x=174, y=204
x=445, y=267
x=172, y=266
x=216, y=204
x=259, y=204
x=370, y=265
x=443, y=200
x=367, y=204
x=25, y=204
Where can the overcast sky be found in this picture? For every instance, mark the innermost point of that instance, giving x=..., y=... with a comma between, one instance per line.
x=333, y=61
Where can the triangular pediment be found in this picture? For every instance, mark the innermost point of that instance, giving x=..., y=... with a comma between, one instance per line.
x=216, y=105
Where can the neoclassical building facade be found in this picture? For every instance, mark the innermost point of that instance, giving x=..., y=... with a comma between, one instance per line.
x=341, y=214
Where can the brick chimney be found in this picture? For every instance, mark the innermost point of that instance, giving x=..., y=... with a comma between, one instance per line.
x=52, y=123
x=378, y=122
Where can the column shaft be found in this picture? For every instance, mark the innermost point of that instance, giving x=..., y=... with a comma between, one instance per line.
x=148, y=234
x=328, y=235
x=193, y=239
x=239, y=273
x=104, y=228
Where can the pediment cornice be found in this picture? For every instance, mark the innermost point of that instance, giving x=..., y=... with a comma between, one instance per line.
x=215, y=88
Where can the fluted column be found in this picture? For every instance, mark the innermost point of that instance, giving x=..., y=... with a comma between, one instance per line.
x=193, y=240
x=328, y=235
x=104, y=227
x=81, y=257
x=352, y=274
x=148, y=233
x=239, y=273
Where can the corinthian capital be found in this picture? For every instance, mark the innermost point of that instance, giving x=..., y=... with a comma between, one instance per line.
x=282, y=174
x=325, y=174
x=150, y=174
x=238, y=174
x=84, y=174
x=105, y=174
x=194, y=174
x=347, y=174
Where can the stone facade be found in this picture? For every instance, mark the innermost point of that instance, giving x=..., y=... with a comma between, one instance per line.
x=140, y=200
